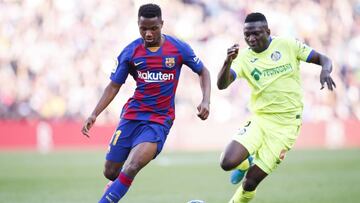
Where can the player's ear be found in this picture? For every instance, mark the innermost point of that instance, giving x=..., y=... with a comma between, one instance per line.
x=268, y=31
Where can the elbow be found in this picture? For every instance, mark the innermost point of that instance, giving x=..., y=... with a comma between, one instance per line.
x=221, y=85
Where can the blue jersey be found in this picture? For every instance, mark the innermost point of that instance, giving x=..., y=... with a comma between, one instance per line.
x=156, y=75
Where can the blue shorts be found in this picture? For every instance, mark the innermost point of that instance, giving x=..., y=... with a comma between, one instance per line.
x=130, y=133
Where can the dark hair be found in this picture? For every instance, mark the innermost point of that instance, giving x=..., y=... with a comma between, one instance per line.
x=255, y=17
x=149, y=11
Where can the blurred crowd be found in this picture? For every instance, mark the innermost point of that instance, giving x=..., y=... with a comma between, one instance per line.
x=56, y=55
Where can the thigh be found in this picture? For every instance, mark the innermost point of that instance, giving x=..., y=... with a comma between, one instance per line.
x=153, y=133
x=120, y=143
x=139, y=157
x=234, y=154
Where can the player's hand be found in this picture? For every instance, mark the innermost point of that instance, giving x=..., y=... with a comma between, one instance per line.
x=203, y=110
x=232, y=52
x=326, y=78
x=87, y=125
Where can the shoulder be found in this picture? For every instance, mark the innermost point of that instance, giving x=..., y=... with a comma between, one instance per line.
x=284, y=40
x=174, y=39
x=130, y=48
x=134, y=44
x=177, y=42
x=285, y=43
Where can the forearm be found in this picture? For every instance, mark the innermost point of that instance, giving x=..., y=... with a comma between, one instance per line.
x=106, y=98
x=224, y=76
x=205, y=83
x=325, y=63
x=321, y=60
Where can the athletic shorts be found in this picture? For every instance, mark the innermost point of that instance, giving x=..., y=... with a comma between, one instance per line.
x=130, y=133
x=268, y=140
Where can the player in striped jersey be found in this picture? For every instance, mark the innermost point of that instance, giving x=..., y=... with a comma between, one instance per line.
x=154, y=61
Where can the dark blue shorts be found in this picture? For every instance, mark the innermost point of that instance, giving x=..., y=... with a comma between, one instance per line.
x=130, y=133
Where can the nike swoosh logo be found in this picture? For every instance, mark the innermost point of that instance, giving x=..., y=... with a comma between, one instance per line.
x=138, y=63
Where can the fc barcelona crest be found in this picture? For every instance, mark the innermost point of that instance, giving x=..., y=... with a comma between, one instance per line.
x=170, y=62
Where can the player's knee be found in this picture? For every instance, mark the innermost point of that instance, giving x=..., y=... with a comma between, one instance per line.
x=132, y=168
x=250, y=184
x=110, y=174
x=227, y=164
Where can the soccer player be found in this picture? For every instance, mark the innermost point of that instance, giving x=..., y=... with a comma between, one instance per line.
x=270, y=65
x=154, y=61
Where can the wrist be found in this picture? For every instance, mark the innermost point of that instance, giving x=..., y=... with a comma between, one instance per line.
x=228, y=60
x=206, y=101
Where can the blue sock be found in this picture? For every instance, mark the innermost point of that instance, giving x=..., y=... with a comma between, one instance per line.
x=117, y=190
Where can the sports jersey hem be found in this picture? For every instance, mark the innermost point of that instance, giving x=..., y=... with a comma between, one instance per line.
x=151, y=120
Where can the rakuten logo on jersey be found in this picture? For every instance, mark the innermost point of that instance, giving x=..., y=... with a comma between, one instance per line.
x=155, y=77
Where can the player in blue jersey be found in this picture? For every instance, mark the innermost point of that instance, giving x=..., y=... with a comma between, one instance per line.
x=154, y=61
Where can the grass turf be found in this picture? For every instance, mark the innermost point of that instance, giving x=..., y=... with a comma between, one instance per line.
x=311, y=176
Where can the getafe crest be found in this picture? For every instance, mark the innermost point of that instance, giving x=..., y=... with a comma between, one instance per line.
x=170, y=62
x=275, y=56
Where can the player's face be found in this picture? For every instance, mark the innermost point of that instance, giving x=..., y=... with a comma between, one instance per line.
x=150, y=30
x=257, y=36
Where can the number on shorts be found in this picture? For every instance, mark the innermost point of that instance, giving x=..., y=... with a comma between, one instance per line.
x=116, y=137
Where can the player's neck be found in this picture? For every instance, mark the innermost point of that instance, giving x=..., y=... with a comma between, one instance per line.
x=154, y=48
x=265, y=47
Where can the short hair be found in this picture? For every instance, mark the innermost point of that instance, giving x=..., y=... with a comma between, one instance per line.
x=149, y=11
x=255, y=17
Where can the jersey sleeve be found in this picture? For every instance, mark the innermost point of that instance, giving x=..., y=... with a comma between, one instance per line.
x=303, y=52
x=190, y=59
x=121, y=71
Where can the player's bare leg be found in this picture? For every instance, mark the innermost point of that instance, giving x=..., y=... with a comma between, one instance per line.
x=234, y=154
x=253, y=177
x=139, y=157
x=112, y=169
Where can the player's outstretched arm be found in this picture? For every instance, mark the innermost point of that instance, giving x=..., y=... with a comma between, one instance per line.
x=224, y=76
x=205, y=82
x=108, y=95
x=326, y=65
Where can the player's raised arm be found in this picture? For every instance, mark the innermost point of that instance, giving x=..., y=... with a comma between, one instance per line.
x=225, y=78
x=205, y=82
x=108, y=95
x=326, y=65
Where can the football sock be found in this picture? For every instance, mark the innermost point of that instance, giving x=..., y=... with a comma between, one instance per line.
x=117, y=189
x=242, y=196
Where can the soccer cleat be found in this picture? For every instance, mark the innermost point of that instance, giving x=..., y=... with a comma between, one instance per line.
x=238, y=174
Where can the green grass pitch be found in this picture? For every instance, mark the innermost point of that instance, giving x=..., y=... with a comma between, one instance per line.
x=311, y=176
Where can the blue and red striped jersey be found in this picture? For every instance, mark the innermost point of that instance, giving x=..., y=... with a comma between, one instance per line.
x=156, y=75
